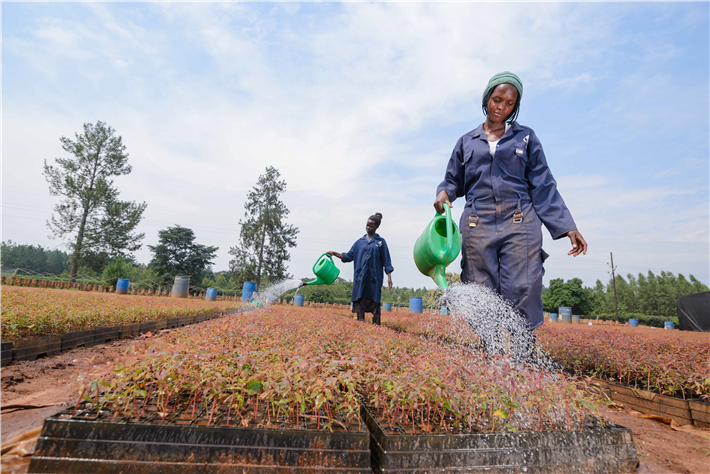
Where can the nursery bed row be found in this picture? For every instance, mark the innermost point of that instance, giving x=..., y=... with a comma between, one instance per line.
x=72, y=443
x=307, y=361
x=31, y=349
x=36, y=312
x=672, y=363
x=254, y=379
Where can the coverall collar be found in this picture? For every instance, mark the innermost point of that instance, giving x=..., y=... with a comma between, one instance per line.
x=478, y=132
x=376, y=237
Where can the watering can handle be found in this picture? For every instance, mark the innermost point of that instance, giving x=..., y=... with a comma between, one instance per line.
x=449, y=229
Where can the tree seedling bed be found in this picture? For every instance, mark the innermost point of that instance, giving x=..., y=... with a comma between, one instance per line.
x=600, y=448
x=91, y=442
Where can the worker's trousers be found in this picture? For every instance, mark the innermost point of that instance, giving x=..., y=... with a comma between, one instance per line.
x=502, y=249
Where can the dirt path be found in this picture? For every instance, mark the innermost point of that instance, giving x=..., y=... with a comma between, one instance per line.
x=663, y=450
x=49, y=381
x=46, y=381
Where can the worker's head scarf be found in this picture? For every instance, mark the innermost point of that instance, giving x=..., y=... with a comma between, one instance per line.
x=505, y=78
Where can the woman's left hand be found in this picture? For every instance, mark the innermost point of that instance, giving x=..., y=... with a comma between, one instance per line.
x=579, y=245
x=389, y=281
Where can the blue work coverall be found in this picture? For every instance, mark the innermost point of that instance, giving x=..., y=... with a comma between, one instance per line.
x=370, y=259
x=508, y=197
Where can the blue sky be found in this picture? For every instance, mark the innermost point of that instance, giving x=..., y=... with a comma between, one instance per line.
x=359, y=106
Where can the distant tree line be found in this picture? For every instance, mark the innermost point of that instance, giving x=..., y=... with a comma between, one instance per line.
x=34, y=258
x=651, y=295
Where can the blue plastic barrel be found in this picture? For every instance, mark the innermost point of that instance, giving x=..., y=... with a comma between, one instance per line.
x=387, y=307
x=248, y=290
x=575, y=318
x=415, y=305
x=444, y=310
x=565, y=313
x=298, y=300
x=668, y=325
x=553, y=317
x=633, y=322
x=122, y=286
x=180, y=287
x=211, y=294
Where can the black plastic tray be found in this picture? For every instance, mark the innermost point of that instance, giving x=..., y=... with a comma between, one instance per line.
x=79, y=338
x=147, y=326
x=30, y=349
x=5, y=353
x=598, y=451
x=103, y=335
x=74, y=445
x=129, y=330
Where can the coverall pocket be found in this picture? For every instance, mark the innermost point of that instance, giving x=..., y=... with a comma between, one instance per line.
x=467, y=156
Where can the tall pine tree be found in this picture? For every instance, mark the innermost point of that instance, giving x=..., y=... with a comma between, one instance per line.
x=265, y=238
x=90, y=207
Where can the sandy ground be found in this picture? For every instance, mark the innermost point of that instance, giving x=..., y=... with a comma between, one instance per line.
x=49, y=381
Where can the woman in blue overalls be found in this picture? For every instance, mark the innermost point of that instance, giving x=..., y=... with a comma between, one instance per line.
x=371, y=257
x=501, y=170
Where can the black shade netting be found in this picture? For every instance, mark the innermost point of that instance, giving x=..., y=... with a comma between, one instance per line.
x=694, y=312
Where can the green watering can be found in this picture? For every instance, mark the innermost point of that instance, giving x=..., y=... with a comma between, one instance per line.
x=325, y=270
x=437, y=247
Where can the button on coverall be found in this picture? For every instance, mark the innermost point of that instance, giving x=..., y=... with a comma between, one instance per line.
x=500, y=252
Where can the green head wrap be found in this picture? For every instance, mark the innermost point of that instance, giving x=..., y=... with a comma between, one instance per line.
x=505, y=78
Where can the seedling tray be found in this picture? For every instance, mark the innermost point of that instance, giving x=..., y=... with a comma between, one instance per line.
x=72, y=444
x=650, y=403
x=700, y=412
x=186, y=320
x=103, y=335
x=606, y=450
x=129, y=330
x=146, y=326
x=5, y=353
x=30, y=349
x=79, y=338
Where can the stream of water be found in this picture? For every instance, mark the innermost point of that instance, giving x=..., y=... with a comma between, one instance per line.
x=501, y=329
x=271, y=294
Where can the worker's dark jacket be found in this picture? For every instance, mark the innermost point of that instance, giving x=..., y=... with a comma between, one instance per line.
x=369, y=258
x=507, y=198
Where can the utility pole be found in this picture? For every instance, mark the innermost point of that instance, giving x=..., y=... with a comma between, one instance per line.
x=613, y=279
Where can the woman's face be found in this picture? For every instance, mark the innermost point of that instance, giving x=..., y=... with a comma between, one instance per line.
x=502, y=102
x=371, y=227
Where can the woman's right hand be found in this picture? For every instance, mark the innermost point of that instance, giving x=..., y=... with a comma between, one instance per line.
x=441, y=199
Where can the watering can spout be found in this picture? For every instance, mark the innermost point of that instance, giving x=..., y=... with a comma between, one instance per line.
x=438, y=274
x=317, y=281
